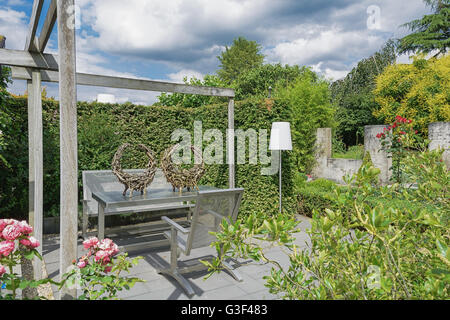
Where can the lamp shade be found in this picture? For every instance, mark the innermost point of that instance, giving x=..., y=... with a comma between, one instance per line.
x=280, y=136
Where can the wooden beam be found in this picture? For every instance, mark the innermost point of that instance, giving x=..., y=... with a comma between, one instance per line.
x=126, y=83
x=20, y=58
x=230, y=144
x=36, y=159
x=47, y=28
x=30, y=44
x=31, y=166
x=68, y=143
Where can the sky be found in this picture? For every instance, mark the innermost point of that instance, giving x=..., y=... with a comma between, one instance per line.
x=170, y=39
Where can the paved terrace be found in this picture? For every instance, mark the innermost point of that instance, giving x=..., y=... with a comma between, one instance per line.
x=159, y=287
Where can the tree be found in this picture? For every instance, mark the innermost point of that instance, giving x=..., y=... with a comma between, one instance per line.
x=192, y=100
x=417, y=91
x=430, y=33
x=353, y=95
x=308, y=100
x=257, y=81
x=241, y=57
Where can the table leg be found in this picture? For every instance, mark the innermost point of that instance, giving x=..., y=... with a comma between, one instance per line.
x=101, y=221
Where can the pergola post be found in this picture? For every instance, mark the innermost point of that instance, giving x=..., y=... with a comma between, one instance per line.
x=68, y=140
x=230, y=144
x=35, y=166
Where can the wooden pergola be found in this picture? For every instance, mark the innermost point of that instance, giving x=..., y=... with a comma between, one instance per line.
x=35, y=66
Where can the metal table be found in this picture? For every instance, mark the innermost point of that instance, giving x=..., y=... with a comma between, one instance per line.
x=108, y=201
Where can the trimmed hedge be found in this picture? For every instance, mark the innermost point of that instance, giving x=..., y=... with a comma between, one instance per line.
x=102, y=128
x=320, y=194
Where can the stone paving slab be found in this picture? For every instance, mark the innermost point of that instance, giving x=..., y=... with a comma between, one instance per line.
x=220, y=286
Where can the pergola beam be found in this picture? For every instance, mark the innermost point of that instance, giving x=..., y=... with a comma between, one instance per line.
x=30, y=43
x=35, y=154
x=68, y=143
x=126, y=83
x=20, y=58
x=47, y=28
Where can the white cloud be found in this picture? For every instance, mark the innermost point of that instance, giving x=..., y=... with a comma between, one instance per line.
x=179, y=76
x=13, y=25
x=15, y=2
x=164, y=25
x=331, y=44
x=329, y=73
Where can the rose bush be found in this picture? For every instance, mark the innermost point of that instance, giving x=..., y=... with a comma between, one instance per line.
x=98, y=272
x=16, y=244
x=399, y=139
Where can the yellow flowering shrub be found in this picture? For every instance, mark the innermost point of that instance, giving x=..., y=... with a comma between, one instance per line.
x=419, y=91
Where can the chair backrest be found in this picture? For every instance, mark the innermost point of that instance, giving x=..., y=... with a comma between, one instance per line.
x=211, y=207
x=105, y=180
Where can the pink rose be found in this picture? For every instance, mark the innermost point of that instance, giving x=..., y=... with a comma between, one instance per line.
x=25, y=242
x=2, y=270
x=6, y=247
x=81, y=264
x=102, y=255
x=34, y=242
x=113, y=250
x=105, y=244
x=11, y=232
x=24, y=227
x=109, y=246
x=30, y=242
x=90, y=243
x=4, y=223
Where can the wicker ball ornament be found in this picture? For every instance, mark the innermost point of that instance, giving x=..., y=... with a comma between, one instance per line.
x=136, y=181
x=178, y=177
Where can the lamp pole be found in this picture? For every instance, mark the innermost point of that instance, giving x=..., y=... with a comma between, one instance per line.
x=280, y=139
x=280, y=180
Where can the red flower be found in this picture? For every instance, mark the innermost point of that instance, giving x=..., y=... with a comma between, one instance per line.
x=402, y=132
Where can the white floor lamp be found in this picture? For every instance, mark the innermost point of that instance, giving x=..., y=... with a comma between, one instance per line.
x=280, y=139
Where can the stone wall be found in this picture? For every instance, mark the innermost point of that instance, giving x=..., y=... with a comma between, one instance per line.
x=335, y=169
x=439, y=134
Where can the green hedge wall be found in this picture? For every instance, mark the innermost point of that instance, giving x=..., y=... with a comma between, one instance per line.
x=320, y=195
x=102, y=128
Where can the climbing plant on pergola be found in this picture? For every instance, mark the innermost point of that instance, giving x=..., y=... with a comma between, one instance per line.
x=35, y=66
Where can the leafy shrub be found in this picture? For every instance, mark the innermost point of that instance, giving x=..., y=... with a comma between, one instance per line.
x=192, y=100
x=315, y=195
x=308, y=100
x=256, y=81
x=360, y=250
x=417, y=91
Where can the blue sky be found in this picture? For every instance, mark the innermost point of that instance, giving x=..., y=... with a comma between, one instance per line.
x=169, y=39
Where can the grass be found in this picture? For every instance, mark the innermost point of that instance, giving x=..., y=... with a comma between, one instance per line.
x=353, y=152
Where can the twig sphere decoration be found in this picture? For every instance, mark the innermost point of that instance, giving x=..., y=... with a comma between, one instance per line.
x=138, y=181
x=178, y=177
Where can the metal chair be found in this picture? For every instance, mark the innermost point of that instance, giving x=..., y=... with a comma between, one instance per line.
x=211, y=208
